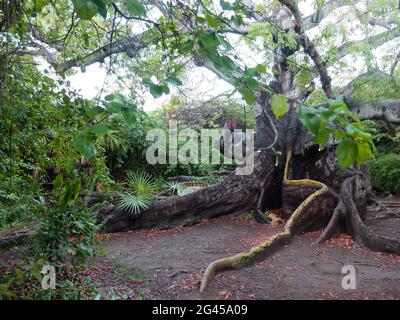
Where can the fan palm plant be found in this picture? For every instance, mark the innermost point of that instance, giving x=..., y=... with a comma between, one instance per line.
x=142, y=189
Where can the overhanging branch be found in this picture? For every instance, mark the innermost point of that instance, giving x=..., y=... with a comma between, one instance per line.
x=387, y=110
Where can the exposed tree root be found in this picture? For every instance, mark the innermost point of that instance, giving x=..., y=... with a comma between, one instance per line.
x=299, y=221
x=274, y=218
x=360, y=232
x=258, y=214
x=334, y=224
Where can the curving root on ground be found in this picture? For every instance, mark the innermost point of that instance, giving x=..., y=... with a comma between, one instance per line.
x=298, y=221
x=321, y=207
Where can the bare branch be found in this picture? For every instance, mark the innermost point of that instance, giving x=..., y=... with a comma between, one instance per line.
x=309, y=47
x=387, y=110
x=374, y=41
x=313, y=20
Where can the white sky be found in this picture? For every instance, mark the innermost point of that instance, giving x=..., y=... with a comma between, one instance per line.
x=199, y=83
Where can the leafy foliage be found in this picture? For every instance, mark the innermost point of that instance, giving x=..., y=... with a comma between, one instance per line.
x=356, y=145
x=386, y=173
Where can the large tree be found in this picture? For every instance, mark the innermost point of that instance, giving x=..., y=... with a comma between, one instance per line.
x=325, y=186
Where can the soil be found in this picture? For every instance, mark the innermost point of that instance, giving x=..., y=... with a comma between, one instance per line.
x=168, y=264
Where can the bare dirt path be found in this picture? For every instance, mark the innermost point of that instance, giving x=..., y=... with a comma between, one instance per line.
x=168, y=264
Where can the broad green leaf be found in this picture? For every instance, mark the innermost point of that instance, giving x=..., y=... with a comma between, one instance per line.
x=101, y=8
x=279, y=105
x=347, y=153
x=310, y=118
x=129, y=116
x=156, y=90
x=339, y=107
x=248, y=96
x=109, y=97
x=251, y=83
x=85, y=9
x=148, y=82
x=200, y=19
x=208, y=40
x=261, y=68
x=212, y=21
x=327, y=115
x=94, y=111
x=113, y=106
x=84, y=145
x=353, y=131
x=364, y=152
x=174, y=80
x=136, y=8
x=165, y=89
x=187, y=46
x=322, y=137
x=226, y=5
x=98, y=128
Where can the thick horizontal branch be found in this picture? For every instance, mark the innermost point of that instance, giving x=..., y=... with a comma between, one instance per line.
x=387, y=110
x=373, y=41
x=321, y=13
x=131, y=45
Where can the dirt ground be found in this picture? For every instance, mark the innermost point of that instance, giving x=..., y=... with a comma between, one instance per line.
x=168, y=264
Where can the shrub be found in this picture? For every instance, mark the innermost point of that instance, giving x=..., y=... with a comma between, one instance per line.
x=386, y=173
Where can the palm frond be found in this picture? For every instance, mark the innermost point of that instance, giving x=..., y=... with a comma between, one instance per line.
x=133, y=203
x=142, y=183
x=174, y=186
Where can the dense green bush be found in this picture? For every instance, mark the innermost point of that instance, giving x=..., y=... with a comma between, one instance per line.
x=385, y=172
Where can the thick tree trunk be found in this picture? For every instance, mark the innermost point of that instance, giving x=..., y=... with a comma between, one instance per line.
x=235, y=193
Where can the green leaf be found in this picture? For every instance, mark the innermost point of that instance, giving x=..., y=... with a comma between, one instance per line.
x=261, y=68
x=212, y=21
x=129, y=116
x=58, y=181
x=327, y=115
x=84, y=145
x=94, y=111
x=347, y=153
x=208, y=40
x=322, y=137
x=279, y=105
x=251, y=83
x=353, y=131
x=136, y=8
x=101, y=8
x=364, y=152
x=109, y=97
x=114, y=106
x=248, y=96
x=98, y=128
x=339, y=107
x=309, y=117
x=187, y=46
x=165, y=89
x=174, y=80
x=200, y=19
x=85, y=9
x=226, y=5
x=156, y=90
